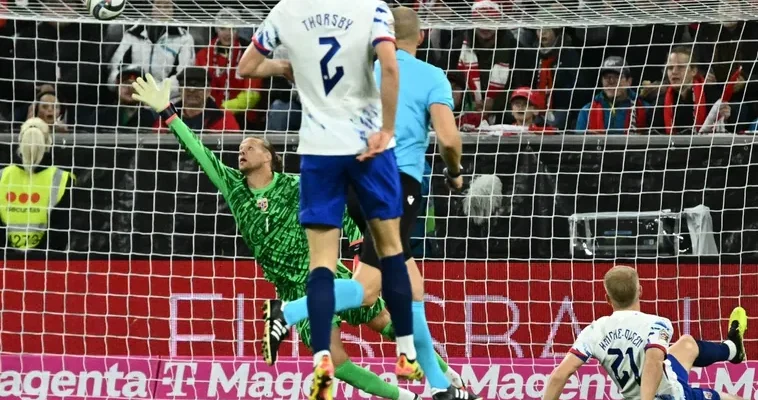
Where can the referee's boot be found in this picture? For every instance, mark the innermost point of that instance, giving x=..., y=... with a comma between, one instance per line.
x=274, y=329
x=737, y=328
x=453, y=393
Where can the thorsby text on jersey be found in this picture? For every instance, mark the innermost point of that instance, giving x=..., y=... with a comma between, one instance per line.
x=327, y=20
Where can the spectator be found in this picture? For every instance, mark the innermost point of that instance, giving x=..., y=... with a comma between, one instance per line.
x=284, y=112
x=616, y=109
x=126, y=113
x=557, y=75
x=527, y=108
x=64, y=54
x=683, y=106
x=228, y=89
x=163, y=51
x=488, y=57
x=464, y=109
x=35, y=198
x=728, y=51
x=197, y=108
x=47, y=107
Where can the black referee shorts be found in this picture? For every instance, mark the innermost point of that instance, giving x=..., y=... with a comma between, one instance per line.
x=411, y=208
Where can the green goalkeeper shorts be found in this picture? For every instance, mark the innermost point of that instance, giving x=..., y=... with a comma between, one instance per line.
x=355, y=317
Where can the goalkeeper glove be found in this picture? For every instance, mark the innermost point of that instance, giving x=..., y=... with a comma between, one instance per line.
x=157, y=97
x=244, y=101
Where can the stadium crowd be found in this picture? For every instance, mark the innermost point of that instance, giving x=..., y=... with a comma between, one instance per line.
x=659, y=79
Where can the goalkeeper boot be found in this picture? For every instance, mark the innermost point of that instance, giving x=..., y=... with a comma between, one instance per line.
x=274, y=329
x=323, y=375
x=737, y=328
x=409, y=370
x=453, y=393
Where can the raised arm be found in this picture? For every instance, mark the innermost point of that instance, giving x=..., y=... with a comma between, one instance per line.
x=254, y=62
x=157, y=97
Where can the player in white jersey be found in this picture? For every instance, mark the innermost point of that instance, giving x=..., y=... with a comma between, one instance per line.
x=347, y=124
x=633, y=347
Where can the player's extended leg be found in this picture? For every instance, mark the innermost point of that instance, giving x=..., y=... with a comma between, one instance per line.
x=352, y=374
x=323, y=195
x=691, y=352
x=377, y=184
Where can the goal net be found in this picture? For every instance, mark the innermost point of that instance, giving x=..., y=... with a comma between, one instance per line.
x=595, y=134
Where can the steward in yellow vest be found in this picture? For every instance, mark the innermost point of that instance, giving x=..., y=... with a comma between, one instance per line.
x=34, y=199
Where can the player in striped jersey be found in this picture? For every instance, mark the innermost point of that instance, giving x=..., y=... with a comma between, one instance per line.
x=264, y=203
x=633, y=347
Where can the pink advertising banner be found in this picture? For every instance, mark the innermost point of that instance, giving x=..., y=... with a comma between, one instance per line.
x=38, y=377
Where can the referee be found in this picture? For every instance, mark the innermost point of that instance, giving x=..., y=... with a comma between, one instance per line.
x=425, y=96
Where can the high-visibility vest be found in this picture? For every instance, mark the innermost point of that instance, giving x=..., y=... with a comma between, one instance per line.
x=26, y=201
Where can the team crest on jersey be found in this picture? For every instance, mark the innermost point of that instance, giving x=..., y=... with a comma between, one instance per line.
x=263, y=204
x=664, y=335
x=707, y=395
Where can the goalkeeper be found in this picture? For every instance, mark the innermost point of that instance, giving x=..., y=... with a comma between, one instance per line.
x=264, y=203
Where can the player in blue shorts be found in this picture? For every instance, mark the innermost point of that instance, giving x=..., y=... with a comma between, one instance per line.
x=425, y=96
x=633, y=347
x=347, y=124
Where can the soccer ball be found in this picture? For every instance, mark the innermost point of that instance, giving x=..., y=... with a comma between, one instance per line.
x=106, y=9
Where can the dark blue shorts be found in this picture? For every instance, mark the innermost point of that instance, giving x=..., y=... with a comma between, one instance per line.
x=324, y=182
x=683, y=377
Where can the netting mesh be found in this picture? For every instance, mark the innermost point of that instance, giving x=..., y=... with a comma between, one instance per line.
x=571, y=161
x=454, y=14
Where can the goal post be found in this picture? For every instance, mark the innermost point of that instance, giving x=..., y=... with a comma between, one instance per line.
x=154, y=295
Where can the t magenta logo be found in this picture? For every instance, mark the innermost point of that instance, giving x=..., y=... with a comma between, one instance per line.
x=22, y=198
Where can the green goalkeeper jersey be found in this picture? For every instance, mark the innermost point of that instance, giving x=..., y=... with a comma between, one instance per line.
x=267, y=218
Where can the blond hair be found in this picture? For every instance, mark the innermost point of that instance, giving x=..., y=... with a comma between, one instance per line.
x=34, y=142
x=622, y=286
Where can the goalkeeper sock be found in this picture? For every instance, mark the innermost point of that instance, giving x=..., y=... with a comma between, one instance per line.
x=426, y=355
x=320, y=291
x=369, y=382
x=712, y=352
x=396, y=287
x=348, y=294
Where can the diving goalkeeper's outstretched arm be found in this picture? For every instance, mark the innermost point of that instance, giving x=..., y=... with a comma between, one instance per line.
x=157, y=96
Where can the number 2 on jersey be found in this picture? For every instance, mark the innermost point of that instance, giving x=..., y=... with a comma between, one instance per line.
x=624, y=378
x=334, y=47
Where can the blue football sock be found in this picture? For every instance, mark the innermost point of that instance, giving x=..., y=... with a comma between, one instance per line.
x=320, y=291
x=348, y=294
x=710, y=353
x=427, y=357
x=396, y=288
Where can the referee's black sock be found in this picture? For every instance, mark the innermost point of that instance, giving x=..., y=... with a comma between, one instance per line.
x=396, y=290
x=320, y=292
